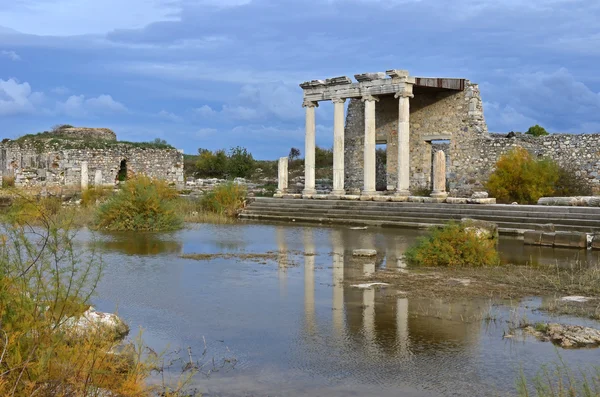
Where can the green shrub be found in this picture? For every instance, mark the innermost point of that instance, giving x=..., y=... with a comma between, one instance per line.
x=570, y=182
x=240, y=163
x=143, y=204
x=211, y=165
x=225, y=199
x=8, y=181
x=94, y=194
x=537, y=130
x=521, y=178
x=323, y=157
x=453, y=245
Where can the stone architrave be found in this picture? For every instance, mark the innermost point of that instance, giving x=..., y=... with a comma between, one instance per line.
x=98, y=178
x=309, y=148
x=84, y=175
x=439, y=175
x=338, y=146
x=282, y=175
x=404, y=140
x=370, y=166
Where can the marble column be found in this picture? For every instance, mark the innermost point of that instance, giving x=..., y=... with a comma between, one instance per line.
x=282, y=175
x=84, y=175
x=370, y=146
x=309, y=148
x=98, y=178
x=338, y=146
x=439, y=175
x=404, y=96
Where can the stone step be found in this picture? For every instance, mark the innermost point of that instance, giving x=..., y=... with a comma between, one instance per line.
x=524, y=223
x=353, y=203
x=473, y=212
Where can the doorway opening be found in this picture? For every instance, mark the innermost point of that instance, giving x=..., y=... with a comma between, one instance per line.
x=122, y=174
x=381, y=167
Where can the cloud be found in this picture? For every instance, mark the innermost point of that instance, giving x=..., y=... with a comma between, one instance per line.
x=61, y=90
x=13, y=56
x=205, y=111
x=79, y=106
x=17, y=98
x=170, y=116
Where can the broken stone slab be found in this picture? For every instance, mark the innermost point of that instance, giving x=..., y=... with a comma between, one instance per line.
x=596, y=241
x=369, y=285
x=578, y=201
x=483, y=229
x=456, y=200
x=566, y=336
x=434, y=200
x=575, y=298
x=481, y=201
x=480, y=195
x=399, y=199
x=342, y=80
x=547, y=239
x=570, y=239
x=416, y=199
x=92, y=321
x=532, y=237
x=363, y=77
x=382, y=198
x=352, y=197
x=364, y=252
x=366, y=197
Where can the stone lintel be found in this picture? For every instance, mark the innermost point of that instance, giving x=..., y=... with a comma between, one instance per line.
x=362, y=77
x=437, y=137
x=397, y=73
x=356, y=90
x=342, y=80
x=312, y=84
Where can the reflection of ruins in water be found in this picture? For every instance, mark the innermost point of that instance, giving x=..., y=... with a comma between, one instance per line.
x=379, y=321
x=146, y=244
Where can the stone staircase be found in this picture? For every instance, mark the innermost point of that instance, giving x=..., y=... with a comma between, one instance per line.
x=511, y=219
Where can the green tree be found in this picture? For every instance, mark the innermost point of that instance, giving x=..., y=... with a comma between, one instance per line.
x=521, y=178
x=211, y=165
x=158, y=141
x=241, y=163
x=323, y=157
x=294, y=153
x=537, y=130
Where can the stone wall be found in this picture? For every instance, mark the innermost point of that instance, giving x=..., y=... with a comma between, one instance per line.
x=33, y=165
x=87, y=133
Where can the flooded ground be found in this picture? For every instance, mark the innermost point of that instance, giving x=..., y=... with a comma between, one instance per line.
x=295, y=324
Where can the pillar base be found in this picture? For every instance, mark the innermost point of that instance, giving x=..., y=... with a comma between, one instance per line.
x=338, y=192
x=369, y=193
x=309, y=192
x=439, y=195
x=402, y=193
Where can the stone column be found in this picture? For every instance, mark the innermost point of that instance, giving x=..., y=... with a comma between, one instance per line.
x=370, y=171
x=98, y=178
x=282, y=176
x=309, y=148
x=84, y=175
x=439, y=175
x=338, y=146
x=404, y=96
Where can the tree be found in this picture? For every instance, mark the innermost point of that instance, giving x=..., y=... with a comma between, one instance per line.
x=158, y=141
x=537, y=130
x=241, y=163
x=212, y=165
x=294, y=153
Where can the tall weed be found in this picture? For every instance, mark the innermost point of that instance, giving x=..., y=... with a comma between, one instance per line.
x=225, y=199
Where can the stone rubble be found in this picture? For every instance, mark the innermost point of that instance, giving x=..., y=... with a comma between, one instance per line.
x=566, y=336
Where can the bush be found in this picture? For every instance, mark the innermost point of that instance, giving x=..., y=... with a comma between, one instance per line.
x=323, y=157
x=212, y=165
x=143, y=204
x=537, y=130
x=225, y=199
x=240, y=163
x=521, y=178
x=454, y=245
x=571, y=182
x=94, y=194
x=8, y=181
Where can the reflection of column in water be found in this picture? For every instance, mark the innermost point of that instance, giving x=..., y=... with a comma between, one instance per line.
x=402, y=336
x=338, y=282
x=369, y=318
x=282, y=260
x=309, y=280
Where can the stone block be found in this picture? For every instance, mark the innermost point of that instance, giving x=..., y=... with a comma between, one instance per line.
x=456, y=200
x=308, y=196
x=596, y=241
x=364, y=252
x=482, y=201
x=547, y=239
x=278, y=195
x=490, y=229
x=579, y=240
x=320, y=196
x=532, y=237
x=382, y=198
x=399, y=199
x=366, y=197
x=292, y=196
x=479, y=195
x=562, y=239
x=353, y=197
x=416, y=199
x=434, y=200
x=334, y=197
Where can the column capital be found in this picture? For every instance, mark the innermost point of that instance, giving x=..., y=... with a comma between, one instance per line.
x=404, y=94
x=370, y=98
x=310, y=104
x=338, y=100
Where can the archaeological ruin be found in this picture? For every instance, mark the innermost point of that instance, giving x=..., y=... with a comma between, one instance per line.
x=83, y=157
x=415, y=117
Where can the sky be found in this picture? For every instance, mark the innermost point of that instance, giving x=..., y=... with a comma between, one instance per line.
x=221, y=73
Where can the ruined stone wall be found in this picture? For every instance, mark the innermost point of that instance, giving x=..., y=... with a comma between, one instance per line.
x=105, y=134
x=434, y=114
x=62, y=167
x=478, y=157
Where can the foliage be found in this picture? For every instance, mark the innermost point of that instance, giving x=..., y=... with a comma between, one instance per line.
x=453, y=245
x=537, y=130
x=8, y=181
x=294, y=153
x=521, y=178
x=226, y=199
x=240, y=163
x=50, y=138
x=158, y=141
x=143, y=204
x=571, y=182
x=94, y=194
x=213, y=165
x=323, y=157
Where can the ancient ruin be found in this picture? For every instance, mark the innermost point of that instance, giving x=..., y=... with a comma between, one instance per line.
x=415, y=117
x=84, y=157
